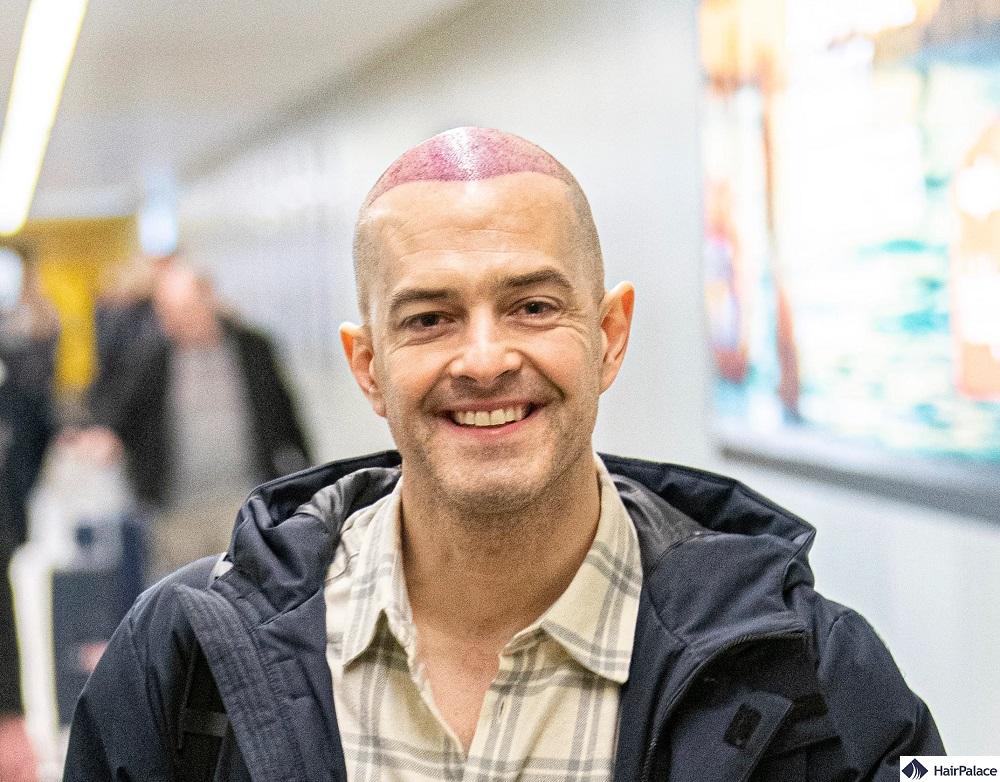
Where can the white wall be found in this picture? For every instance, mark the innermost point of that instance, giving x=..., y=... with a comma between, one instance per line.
x=611, y=87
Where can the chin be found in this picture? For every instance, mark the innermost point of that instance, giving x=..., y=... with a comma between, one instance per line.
x=491, y=500
x=493, y=492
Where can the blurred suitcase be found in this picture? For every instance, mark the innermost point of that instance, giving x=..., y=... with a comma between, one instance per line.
x=89, y=599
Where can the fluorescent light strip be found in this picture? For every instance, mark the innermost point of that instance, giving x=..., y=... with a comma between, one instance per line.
x=47, y=45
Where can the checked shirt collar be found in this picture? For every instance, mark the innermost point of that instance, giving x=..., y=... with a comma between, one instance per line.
x=593, y=620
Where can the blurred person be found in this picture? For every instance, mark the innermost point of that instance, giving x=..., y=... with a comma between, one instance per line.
x=199, y=408
x=124, y=311
x=495, y=601
x=28, y=331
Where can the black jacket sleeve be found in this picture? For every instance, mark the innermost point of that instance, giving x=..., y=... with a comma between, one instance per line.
x=877, y=715
x=130, y=398
x=281, y=443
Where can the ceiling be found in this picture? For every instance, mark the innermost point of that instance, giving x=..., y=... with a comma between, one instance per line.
x=160, y=86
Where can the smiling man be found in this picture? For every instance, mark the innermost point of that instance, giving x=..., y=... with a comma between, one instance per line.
x=494, y=601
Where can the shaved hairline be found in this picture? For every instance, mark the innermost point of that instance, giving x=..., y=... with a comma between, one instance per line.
x=473, y=154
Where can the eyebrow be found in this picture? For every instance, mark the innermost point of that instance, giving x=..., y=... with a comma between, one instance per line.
x=401, y=298
x=540, y=277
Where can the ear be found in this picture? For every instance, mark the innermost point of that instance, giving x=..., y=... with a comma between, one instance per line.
x=616, y=324
x=360, y=354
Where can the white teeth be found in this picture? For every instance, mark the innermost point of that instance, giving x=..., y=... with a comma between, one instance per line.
x=504, y=415
x=514, y=413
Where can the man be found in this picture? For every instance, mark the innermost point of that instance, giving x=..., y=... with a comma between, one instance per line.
x=494, y=602
x=199, y=407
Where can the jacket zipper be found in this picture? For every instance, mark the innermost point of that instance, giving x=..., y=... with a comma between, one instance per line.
x=647, y=765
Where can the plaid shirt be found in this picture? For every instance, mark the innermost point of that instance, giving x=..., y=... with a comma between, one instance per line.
x=551, y=713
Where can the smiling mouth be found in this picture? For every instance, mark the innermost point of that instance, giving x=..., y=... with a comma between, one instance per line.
x=495, y=418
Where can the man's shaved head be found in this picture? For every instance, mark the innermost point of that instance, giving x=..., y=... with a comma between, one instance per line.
x=472, y=154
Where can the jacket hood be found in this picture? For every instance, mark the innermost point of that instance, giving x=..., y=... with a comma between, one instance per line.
x=706, y=540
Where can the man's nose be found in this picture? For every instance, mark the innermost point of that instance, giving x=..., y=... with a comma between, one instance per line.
x=487, y=352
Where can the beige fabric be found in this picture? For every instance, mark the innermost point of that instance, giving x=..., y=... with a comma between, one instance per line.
x=182, y=535
x=210, y=417
x=552, y=711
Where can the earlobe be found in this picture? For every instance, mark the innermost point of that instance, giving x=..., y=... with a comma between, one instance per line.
x=360, y=359
x=616, y=325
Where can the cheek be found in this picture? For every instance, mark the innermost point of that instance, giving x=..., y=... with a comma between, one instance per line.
x=406, y=377
x=571, y=361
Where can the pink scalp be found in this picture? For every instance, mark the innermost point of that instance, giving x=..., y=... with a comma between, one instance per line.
x=467, y=154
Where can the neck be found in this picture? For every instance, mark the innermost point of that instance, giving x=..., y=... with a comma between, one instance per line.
x=482, y=577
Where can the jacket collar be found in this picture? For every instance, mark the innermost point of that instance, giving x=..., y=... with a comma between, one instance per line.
x=673, y=508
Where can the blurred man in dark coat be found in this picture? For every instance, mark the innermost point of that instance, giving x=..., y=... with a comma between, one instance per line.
x=202, y=414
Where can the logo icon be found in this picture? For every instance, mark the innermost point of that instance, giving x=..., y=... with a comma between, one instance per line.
x=914, y=769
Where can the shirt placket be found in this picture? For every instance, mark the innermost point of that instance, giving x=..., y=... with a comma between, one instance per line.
x=494, y=744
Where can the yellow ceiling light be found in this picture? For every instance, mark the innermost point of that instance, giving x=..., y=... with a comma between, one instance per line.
x=47, y=45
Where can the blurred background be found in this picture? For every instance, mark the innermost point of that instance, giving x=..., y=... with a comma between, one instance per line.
x=191, y=231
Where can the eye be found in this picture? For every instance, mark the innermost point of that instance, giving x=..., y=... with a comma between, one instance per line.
x=536, y=308
x=425, y=321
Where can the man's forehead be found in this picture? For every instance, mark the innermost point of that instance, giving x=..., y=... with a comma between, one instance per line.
x=467, y=154
x=459, y=233
x=524, y=202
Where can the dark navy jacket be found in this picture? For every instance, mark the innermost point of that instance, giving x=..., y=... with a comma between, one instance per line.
x=740, y=670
